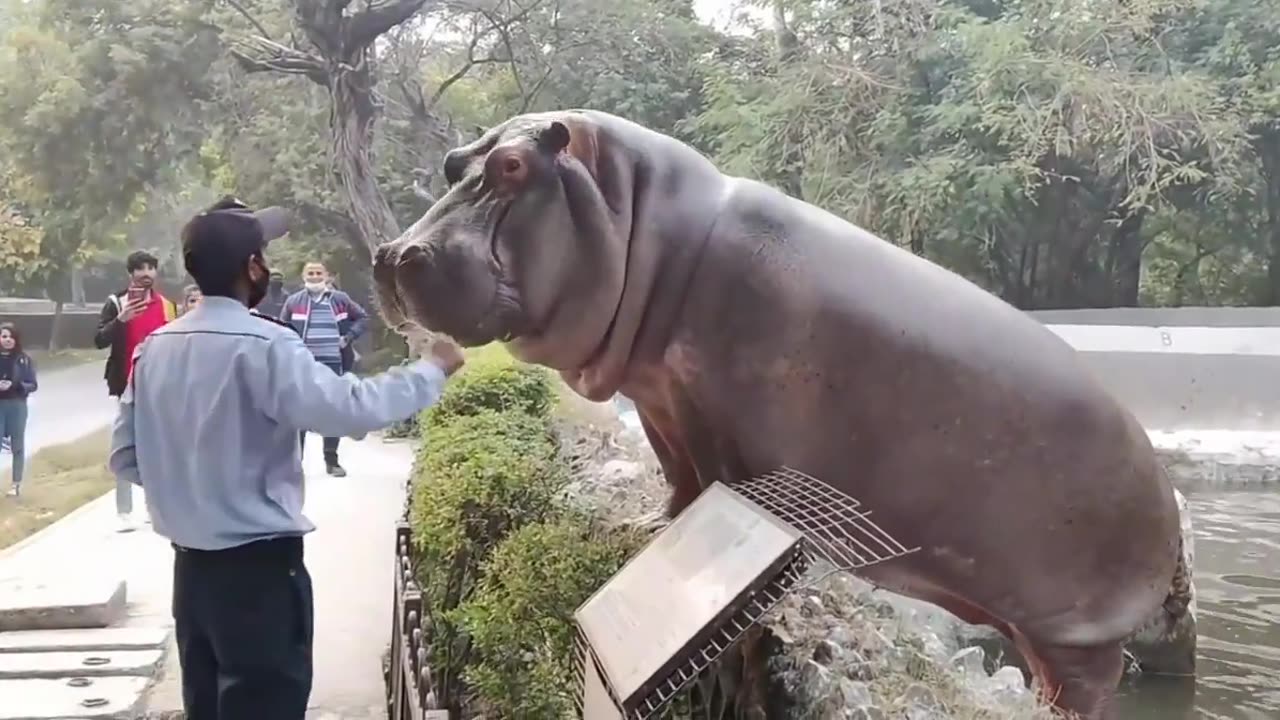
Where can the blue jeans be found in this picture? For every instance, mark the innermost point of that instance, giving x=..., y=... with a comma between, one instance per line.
x=13, y=425
x=124, y=493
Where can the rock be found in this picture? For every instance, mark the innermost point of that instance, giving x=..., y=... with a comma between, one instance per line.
x=970, y=661
x=812, y=607
x=617, y=472
x=826, y=652
x=836, y=649
x=855, y=694
x=920, y=703
x=1007, y=683
x=816, y=681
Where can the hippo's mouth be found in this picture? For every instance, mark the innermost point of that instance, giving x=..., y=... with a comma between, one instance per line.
x=406, y=301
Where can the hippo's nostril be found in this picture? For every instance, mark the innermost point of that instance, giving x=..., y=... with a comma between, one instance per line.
x=386, y=255
x=410, y=254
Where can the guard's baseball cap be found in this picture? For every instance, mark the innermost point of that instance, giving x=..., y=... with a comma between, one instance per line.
x=217, y=242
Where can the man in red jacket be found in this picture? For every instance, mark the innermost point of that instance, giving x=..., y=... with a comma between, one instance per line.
x=127, y=318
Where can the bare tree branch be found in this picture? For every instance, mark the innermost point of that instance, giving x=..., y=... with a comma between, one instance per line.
x=252, y=20
x=338, y=222
x=361, y=29
x=421, y=183
x=461, y=72
x=257, y=54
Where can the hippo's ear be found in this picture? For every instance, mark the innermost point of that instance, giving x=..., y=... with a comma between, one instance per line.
x=576, y=136
x=554, y=138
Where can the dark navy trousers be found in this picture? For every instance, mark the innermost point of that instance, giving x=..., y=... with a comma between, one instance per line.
x=244, y=627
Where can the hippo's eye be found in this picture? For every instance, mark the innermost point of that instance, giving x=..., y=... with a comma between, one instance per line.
x=505, y=170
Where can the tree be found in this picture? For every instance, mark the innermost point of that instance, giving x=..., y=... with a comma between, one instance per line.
x=338, y=55
x=96, y=100
x=1023, y=144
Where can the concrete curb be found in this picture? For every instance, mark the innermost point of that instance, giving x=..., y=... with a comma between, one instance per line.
x=48, y=529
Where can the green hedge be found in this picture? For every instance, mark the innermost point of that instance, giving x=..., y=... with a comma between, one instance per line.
x=520, y=619
x=520, y=389
x=502, y=562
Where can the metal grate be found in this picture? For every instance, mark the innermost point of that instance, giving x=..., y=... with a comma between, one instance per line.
x=836, y=527
x=725, y=636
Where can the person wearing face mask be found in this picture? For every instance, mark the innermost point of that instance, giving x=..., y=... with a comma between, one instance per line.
x=329, y=321
x=208, y=426
x=17, y=381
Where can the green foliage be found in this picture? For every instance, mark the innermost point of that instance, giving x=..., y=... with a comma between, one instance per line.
x=520, y=619
x=502, y=560
x=500, y=386
x=96, y=101
x=1029, y=146
x=489, y=465
x=479, y=477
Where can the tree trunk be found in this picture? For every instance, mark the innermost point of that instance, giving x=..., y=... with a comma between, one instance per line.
x=56, y=328
x=788, y=48
x=354, y=114
x=1267, y=146
x=77, y=285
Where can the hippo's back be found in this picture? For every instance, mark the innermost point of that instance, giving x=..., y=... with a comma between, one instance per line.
x=969, y=428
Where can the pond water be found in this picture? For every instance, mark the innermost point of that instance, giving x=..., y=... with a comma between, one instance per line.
x=1237, y=576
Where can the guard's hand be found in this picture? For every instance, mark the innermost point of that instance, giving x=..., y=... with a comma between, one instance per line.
x=445, y=354
x=436, y=349
x=132, y=310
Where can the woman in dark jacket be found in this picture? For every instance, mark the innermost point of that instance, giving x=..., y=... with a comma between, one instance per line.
x=17, y=381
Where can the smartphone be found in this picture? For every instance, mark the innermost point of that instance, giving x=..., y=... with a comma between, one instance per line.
x=136, y=293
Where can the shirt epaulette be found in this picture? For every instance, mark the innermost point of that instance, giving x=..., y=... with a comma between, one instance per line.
x=276, y=321
x=270, y=319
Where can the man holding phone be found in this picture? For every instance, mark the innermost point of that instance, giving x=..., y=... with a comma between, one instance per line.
x=127, y=318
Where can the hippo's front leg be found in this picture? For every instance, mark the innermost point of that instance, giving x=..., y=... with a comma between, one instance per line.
x=677, y=465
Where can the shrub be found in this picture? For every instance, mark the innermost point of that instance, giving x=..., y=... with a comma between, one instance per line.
x=488, y=465
x=499, y=386
x=501, y=562
x=520, y=619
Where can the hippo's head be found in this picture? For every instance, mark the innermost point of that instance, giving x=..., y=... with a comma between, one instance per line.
x=524, y=247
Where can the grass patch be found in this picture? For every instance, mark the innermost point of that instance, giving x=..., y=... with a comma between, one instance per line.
x=46, y=360
x=59, y=479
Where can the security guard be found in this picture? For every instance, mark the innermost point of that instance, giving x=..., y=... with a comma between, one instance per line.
x=208, y=426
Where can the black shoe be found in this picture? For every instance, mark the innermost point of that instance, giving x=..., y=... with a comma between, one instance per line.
x=336, y=470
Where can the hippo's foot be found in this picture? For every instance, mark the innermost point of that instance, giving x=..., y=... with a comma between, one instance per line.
x=1078, y=682
x=682, y=496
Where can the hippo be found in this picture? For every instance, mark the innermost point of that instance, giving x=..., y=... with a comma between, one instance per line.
x=754, y=331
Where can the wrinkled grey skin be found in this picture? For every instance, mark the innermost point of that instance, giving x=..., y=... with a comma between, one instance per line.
x=754, y=331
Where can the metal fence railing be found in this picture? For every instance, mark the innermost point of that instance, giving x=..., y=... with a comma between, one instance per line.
x=410, y=691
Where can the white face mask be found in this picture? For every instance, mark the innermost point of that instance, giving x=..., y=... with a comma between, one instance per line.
x=315, y=287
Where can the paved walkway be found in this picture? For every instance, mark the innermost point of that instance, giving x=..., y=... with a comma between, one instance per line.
x=71, y=403
x=349, y=556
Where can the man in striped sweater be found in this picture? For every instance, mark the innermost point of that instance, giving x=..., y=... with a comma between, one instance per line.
x=329, y=321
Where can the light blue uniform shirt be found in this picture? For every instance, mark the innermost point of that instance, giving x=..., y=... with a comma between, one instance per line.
x=209, y=422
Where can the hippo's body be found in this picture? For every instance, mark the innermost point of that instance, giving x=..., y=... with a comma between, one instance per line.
x=755, y=331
